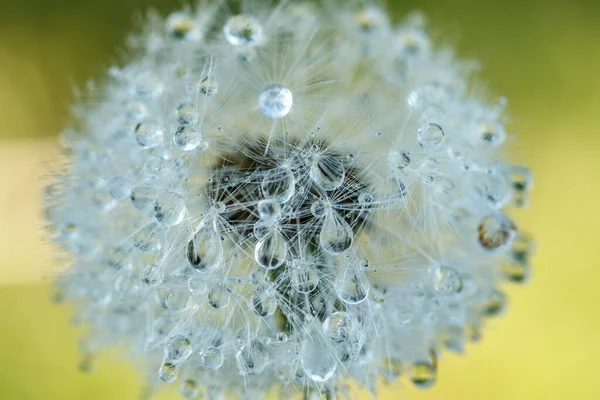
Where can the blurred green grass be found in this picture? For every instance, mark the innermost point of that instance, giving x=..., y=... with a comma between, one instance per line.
x=544, y=56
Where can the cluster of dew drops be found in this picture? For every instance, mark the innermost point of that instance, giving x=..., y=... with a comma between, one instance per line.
x=257, y=267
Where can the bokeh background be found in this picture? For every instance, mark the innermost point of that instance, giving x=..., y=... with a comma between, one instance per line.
x=544, y=55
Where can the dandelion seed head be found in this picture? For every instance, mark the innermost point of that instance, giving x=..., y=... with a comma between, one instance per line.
x=286, y=198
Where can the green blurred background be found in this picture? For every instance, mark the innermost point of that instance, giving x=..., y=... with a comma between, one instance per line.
x=543, y=55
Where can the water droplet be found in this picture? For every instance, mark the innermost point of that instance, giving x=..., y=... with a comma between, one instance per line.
x=152, y=275
x=282, y=337
x=317, y=209
x=190, y=389
x=142, y=197
x=269, y=210
x=305, y=278
x=327, y=172
x=399, y=159
x=148, y=134
x=517, y=268
x=340, y=326
x=212, y=358
x=169, y=209
x=174, y=300
x=196, y=286
x=186, y=113
x=351, y=285
x=278, y=184
x=180, y=24
x=208, y=86
x=495, y=304
x=275, y=101
x=188, y=138
x=271, y=251
x=423, y=374
x=205, y=250
x=492, y=187
x=167, y=372
x=264, y=304
x=496, y=231
x=146, y=240
x=253, y=357
x=178, y=349
x=492, y=133
x=119, y=188
x=336, y=235
x=243, y=30
x=218, y=297
x=316, y=358
x=521, y=180
x=430, y=136
x=446, y=281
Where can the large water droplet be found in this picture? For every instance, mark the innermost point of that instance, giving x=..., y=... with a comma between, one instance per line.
x=423, y=374
x=253, y=357
x=148, y=134
x=304, y=278
x=142, y=197
x=327, y=172
x=264, y=303
x=212, y=358
x=205, y=251
x=170, y=209
x=167, y=372
x=188, y=138
x=275, y=101
x=496, y=231
x=196, y=285
x=152, y=275
x=336, y=235
x=190, y=389
x=268, y=210
x=271, y=251
x=430, y=136
x=316, y=358
x=119, y=188
x=218, y=297
x=243, y=30
x=178, y=349
x=208, y=86
x=446, y=281
x=351, y=285
x=146, y=240
x=492, y=187
x=278, y=184
x=340, y=326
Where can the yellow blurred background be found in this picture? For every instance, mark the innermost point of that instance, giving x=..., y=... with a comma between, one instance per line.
x=544, y=55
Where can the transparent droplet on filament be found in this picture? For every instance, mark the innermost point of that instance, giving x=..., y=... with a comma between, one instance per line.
x=253, y=357
x=243, y=30
x=197, y=286
x=142, y=197
x=351, y=285
x=305, y=278
x=212, y=358
x=119, y=188
x=278, y=184
x=446, y=281
x=275, y=101
x=316, y=358
x=205, y=251
x=167, y=372
x=208, y=87
x=218, y=297
x=423, y=374
x=170, y=209
x=430, y=136
x=271, y=251
x=187, y=138
x=269, y=210
x=148, y=134
x=327, y=172
x=340, y=326
x=178, y=349
x=152, y=275
x=146, y=240
x=264, y=303
x=496, y=231
x=336, y=235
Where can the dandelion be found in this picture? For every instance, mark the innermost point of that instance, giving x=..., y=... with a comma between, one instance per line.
x=284, y=198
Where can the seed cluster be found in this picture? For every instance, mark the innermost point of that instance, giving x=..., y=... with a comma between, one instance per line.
x=284, y=198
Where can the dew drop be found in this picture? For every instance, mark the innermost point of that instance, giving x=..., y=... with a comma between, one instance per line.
x=186, y=114
x=167, y=372
x=496, y=231
x=271, y=251
x=253, y=357
x=446, y=281
x=316, y=358
x=196, y=286
x=492, y=133
x=145, y=240
x=205, y=250
x=169, y=209
x=268, y=210
x=278, y=184
x=430, y=136
x=423, y=374
x=351, y=285
x=491, y=187
x=495, y=303
x=340, y=326
x=304, y=278
x=188, y=138
x=208, y=86
x=178, y=349
x=243, y=30
x=119, y=188
x=175, y=300
x=327, y=172
x=317, y=209
x=212, y=358
x=190, y=389
x=275, y=101
x=180, y=24
x=152, y=275
x=142, y=197
x=148, y=134
x=218, y=297
x=336, y=235
x=264, y=303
